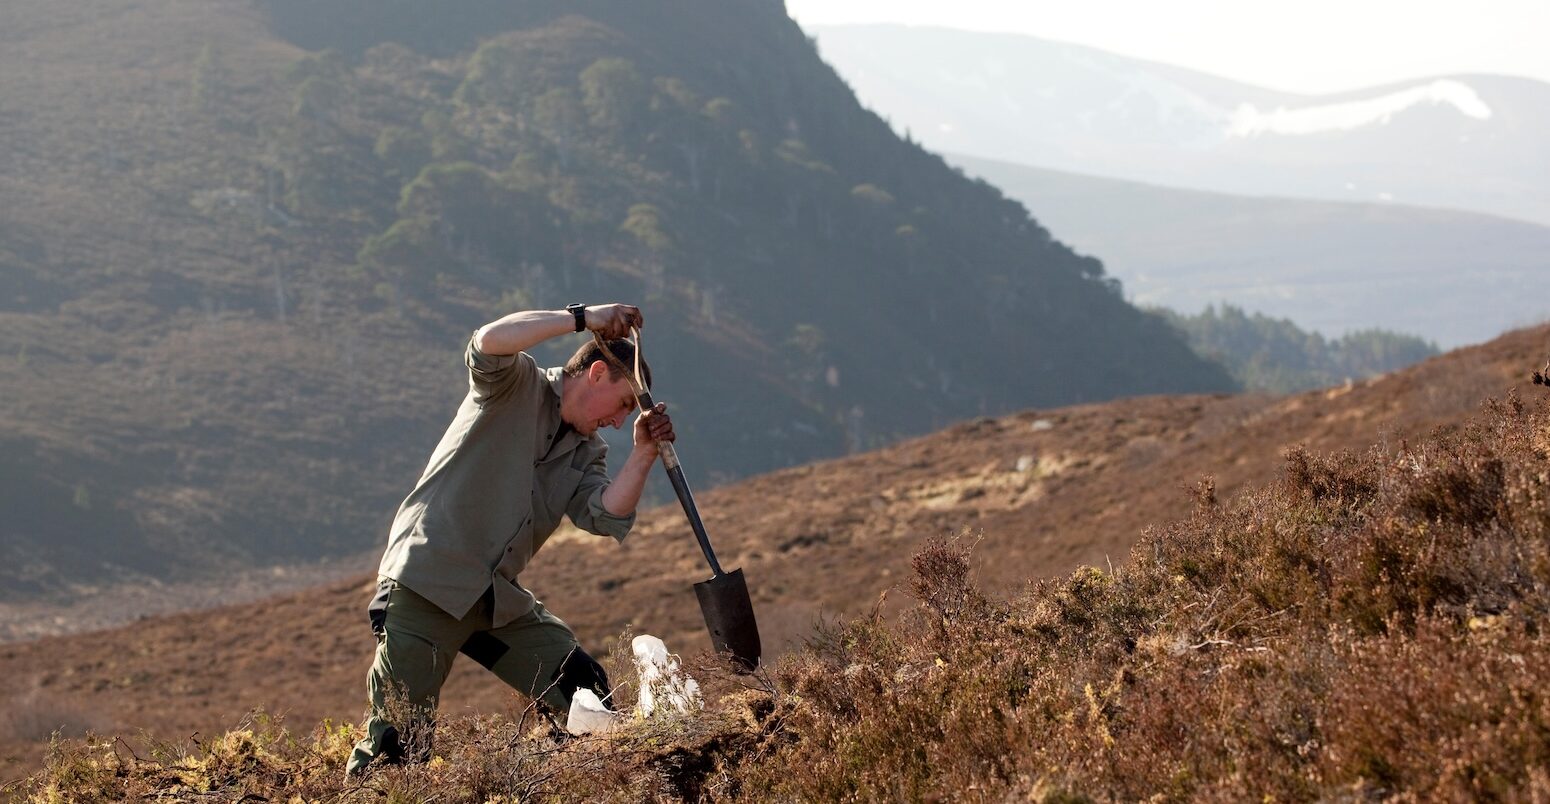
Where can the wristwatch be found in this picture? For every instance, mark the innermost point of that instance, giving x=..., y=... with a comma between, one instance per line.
x=580, y=312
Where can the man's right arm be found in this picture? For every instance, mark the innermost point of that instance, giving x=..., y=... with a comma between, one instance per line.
x=519, y=332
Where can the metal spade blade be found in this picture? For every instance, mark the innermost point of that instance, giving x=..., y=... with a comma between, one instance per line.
x=729, y=617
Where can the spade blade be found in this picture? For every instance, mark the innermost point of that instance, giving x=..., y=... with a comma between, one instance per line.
x=729, y=617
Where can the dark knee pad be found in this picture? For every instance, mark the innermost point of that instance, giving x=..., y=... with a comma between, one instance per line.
x=396, y=750
x=392, y=747
x=409, y=745
x=484, y=649
x=580, y=670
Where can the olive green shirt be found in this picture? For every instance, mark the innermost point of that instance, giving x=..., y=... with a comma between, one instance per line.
x=495, y=488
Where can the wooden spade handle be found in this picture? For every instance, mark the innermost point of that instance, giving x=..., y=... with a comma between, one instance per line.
x=675, y=472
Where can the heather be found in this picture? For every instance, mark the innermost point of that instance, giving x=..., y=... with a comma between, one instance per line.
x=1369, y=625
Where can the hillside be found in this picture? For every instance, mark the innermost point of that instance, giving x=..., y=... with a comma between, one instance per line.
x=1451, y=277
x=1369, y=626
x=1046, y=491
x=242, y=243
x=1465, y=142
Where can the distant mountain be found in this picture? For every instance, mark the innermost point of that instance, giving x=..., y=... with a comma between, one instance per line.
x=1452, y=277
x=1472, y=142
x=243, y=243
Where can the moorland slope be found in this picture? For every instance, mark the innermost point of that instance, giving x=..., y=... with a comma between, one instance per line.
x=1043, y=491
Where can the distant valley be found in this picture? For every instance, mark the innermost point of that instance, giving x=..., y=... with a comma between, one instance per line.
x=1452, y=277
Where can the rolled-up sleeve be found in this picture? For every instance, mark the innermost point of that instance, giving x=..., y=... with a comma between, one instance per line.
x=492, y=377
x=586, y=504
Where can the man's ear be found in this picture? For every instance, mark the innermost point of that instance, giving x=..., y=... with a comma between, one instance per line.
x=597, y=371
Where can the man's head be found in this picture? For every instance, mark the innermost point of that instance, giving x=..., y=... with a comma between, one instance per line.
x=596, y=394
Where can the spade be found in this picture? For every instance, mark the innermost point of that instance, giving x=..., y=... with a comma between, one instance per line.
x=724, y=597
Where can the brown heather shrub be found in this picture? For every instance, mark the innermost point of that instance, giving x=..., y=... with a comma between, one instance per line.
x=477, y=758
x=1371, y=626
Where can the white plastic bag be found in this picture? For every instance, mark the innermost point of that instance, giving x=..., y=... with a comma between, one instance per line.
x=662, y=685
x=588, y=715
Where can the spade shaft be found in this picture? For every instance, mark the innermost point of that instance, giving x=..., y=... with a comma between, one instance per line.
x=684, y=494
x=675, y=475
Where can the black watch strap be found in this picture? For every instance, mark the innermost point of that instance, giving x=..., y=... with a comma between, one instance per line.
x=580, y=312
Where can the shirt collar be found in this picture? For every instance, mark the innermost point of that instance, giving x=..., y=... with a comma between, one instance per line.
x=556, y=378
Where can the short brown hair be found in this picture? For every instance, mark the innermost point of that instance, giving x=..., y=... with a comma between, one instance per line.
x=590, y=353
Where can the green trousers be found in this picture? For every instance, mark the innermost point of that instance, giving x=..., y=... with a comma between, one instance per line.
x=536, y=654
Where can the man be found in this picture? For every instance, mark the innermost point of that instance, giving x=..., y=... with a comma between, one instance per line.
x=522, y=451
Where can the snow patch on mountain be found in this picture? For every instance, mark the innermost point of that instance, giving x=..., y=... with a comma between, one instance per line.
x=1248, y=121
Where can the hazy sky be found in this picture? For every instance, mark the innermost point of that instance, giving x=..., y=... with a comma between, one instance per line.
x=1306, y=46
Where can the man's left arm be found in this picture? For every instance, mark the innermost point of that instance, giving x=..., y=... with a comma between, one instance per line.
x=607, y=508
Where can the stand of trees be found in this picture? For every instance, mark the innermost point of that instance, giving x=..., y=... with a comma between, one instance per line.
x=1273, y=354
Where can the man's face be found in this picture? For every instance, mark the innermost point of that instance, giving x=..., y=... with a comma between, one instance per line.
x=607, y=403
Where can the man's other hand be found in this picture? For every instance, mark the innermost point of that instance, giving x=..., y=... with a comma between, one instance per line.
x=653, y=426
x=614, y=320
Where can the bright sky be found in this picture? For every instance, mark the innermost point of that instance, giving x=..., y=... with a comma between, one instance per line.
x=1306, y=46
